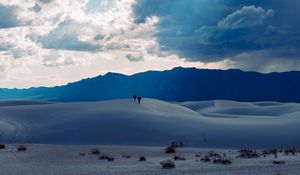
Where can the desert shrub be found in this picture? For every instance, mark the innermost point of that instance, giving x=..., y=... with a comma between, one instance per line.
x=170, y=150
x=205, y=159
x=22, y=148
x=292, y=151
x=95, y=151
x=82, y=154
x=268, y=152
x=142, y=158
x=226, y=162
x=278, y=162
x=104, y=157
x=126, y=156
x=248, y=153
x=167, y=164
x=222, y=161
x=178, y=158
x=198, y=155
x=2, y=146
x=110, y=159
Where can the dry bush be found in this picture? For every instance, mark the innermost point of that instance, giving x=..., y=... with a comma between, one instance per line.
x=22, y=148
x=222, y=161
x=142, y=158
x=178, y=158
x=167, y=164
x=278, y=162
x=248, y=153
x=126, y=156
x=110, y=159
x=205, y=159
x=82, y=154
x=170, y=150
x=103, y=156
x=95, y=151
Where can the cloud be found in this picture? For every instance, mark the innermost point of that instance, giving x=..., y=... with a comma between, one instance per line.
x=66, y=36
x=56, y=42
x=247, y=17
x=258, y=60
x=46, y=1
x=135, y=57
x=57, y=59
x=40, y=37
x=213, y=31
x=14, y=42
x=36, y=8
x=4, y=65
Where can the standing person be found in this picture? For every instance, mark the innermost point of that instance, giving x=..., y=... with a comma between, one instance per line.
x=134, y=97
x=139, y=99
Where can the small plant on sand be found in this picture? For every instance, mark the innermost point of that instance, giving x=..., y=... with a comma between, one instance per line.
x=167, y=164
x=292, y=151
x=82, y=154
x=170, y=150
x=278, y=162
x=142, y=158
x=126, y=156
x=198, y=155
x=103, y=156
x=205, y=159
x=178, y=158
x=95, y=151
x=222, y=161
x=22, y=148
x=110, y=158
x=106, y=157
x=248, y=153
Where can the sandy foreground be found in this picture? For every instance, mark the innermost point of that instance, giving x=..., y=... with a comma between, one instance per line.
x=66, y=160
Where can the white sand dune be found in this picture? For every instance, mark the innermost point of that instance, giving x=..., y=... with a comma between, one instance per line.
x=154, y=122
x=23, y=103
x=239, y=109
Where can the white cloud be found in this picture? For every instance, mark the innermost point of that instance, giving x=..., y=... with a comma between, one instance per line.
x=5, y=66
x=246, y=17
x=62, y=59
x=135, y=57
x=54, y=42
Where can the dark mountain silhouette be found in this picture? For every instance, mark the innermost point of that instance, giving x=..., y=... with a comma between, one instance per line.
x=178, y=84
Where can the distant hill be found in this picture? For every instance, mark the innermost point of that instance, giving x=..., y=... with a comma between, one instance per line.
x=178, y=84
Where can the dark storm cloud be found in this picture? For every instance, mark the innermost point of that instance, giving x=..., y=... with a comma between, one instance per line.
x=212, y=30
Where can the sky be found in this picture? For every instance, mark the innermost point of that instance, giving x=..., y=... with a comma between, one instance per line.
x=53, y=42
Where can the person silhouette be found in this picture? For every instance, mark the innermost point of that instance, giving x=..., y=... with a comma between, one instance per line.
x=134, y=97
x=139, y=99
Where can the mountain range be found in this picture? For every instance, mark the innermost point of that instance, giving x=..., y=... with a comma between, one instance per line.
x=178, y=84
